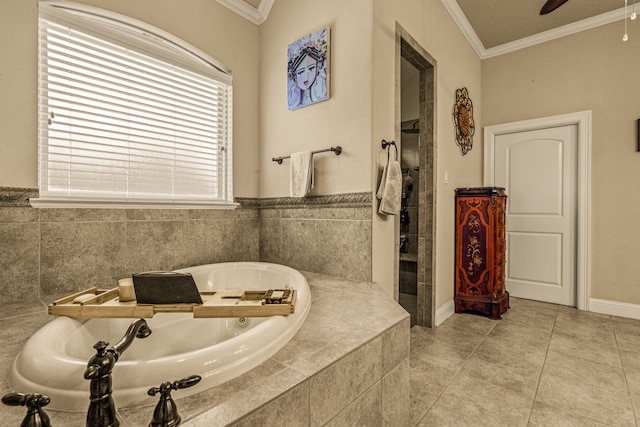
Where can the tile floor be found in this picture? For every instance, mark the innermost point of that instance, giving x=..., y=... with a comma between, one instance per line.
x=410, y=303
x=541, y=365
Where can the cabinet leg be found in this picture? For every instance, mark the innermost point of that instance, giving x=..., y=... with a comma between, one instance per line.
x=492, y=309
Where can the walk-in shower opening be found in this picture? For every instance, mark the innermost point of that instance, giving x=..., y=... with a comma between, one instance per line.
x=409, y=219
x=416, y=118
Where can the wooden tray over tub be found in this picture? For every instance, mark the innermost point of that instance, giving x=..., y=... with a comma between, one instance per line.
x=95, y=302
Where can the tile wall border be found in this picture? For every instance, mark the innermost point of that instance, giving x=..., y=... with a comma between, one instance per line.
x=16, y=196
x=19, y=197
x=357, y=200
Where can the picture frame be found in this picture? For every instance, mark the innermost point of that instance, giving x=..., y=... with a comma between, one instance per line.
x=308, y=69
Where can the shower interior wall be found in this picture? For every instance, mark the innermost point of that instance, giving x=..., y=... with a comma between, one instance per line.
x=410, y=164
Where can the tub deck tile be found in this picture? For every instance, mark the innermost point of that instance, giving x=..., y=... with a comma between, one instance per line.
x=332, y=338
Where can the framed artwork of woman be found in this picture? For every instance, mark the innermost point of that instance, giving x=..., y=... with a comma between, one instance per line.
x=308, y=69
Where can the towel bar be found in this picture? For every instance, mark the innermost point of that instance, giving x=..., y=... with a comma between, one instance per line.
x=337, y=150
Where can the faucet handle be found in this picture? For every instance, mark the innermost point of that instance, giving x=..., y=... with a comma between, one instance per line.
x=166, y=387
x=166, y=412
x=35, y=416
x=186, y=382
x=34, y=400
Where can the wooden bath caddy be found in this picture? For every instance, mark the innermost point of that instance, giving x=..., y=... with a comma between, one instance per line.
x=225, y=303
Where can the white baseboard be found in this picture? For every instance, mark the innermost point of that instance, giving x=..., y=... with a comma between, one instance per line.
x=444, y=312
x=613, y=308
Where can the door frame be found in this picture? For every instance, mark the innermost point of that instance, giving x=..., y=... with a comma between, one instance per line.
x=582, y=120
x=408, y=48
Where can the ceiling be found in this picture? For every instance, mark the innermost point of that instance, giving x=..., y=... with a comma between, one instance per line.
x=501, y=21
x=495, y=27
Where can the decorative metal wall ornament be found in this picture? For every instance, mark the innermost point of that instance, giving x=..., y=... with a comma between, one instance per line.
x=463, y=120
x=638, y=133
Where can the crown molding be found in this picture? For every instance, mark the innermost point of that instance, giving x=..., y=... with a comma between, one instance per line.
x=586, y=24
x=255, y=15
x=463, y=23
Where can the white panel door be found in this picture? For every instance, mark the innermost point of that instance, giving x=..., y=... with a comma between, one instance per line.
x=538, y=170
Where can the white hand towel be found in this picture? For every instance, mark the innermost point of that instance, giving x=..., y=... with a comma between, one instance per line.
x=383, y=180
x=301, y=174
x=390, y=189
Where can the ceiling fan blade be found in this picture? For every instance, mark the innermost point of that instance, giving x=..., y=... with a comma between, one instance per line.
x=551, y=5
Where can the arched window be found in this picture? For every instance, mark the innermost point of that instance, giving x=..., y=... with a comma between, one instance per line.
x=129, y=115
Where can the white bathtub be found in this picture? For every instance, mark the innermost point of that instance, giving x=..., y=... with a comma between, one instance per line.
x=53, y=360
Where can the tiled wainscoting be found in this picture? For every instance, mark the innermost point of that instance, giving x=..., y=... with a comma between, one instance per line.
x=325, y=234
x=52, y=251
x=48, y=252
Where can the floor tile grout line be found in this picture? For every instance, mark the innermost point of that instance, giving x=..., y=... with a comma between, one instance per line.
x=560, y=408
x=624, y=371
x=457, y=372
x=546, y=355
x=558, y=328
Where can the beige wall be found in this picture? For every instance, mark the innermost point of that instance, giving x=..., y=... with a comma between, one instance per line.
x=206, y=24
x=457, y=66
x=344, y=119
x=593, y=70
x=18, y=93
x=360, y=112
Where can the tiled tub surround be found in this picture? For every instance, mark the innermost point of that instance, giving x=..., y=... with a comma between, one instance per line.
x=52, y=251
x=348, y=365
x=325, y=234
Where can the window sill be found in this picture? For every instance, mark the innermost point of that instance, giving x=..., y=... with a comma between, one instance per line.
x=41, y=203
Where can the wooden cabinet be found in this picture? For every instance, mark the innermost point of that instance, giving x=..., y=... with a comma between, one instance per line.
x=480, y=251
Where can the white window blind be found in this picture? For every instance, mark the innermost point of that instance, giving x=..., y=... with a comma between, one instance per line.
x=120, y=125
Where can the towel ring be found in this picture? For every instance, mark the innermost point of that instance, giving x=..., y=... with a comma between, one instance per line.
x=385, y=144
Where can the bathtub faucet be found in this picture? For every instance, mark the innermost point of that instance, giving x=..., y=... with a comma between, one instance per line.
x=36, y=416
x=102, y=410
x=137, y=329
x=165, y=413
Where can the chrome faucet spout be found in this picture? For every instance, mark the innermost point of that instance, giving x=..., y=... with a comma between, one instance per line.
x=137, y=329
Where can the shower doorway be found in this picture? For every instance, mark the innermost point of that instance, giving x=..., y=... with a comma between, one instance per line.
x=415, y=96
